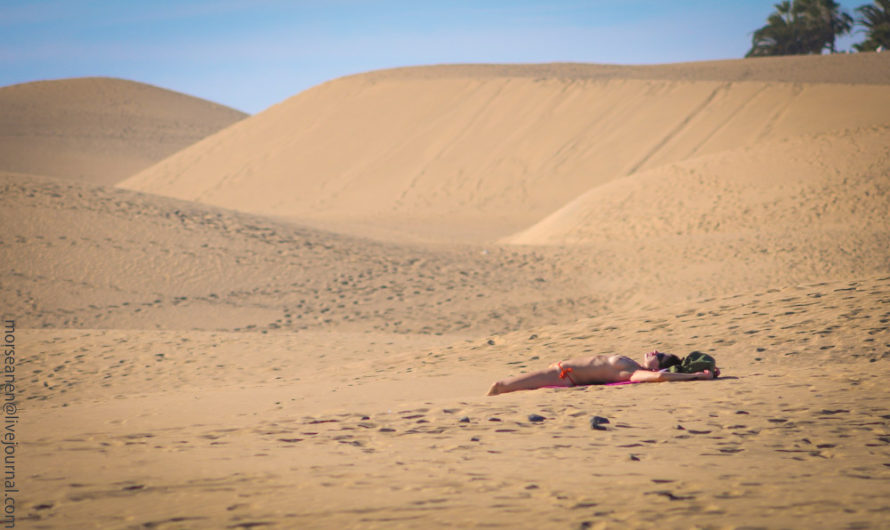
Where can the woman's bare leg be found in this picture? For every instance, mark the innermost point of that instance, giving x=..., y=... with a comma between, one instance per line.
x=529, y=381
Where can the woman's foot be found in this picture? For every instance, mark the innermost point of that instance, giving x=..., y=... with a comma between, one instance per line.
x=496, y=388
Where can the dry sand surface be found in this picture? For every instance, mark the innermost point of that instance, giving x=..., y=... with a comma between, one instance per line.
x=99, y=130
x=189, y=356
x=319, y=429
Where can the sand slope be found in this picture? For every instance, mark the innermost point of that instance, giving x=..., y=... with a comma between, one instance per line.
x=81, y=256
x=479, y=152
x=99, y=130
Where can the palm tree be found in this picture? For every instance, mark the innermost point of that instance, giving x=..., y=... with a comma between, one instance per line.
x=779, y=36
x=876, y=20
x=824, y=21
x=800, y=27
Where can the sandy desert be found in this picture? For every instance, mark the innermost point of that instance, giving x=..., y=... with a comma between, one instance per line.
x=291, y=319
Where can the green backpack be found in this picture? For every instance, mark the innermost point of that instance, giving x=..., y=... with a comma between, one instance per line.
x=695, y=362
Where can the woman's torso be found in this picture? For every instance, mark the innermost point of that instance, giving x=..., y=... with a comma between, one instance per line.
x=601, y=369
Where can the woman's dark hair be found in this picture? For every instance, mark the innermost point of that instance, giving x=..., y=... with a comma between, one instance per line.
x=668, y=360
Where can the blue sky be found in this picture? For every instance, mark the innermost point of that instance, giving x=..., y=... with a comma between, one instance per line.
x=252, y=54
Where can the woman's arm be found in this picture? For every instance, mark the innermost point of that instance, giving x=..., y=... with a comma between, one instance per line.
x=646, y=376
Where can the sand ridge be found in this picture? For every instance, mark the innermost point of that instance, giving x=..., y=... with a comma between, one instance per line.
x=99, y=130
x=860, y=68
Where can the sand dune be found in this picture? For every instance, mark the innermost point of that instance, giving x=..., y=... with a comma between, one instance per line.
x=805, y=184
x=202, y=363
x=800, y=210
x=99, y=130
x=476, y=153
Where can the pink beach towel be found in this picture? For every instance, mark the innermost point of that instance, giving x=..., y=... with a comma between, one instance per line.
x=603, y=384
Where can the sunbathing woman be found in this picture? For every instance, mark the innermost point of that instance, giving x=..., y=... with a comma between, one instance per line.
x=600, y=369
